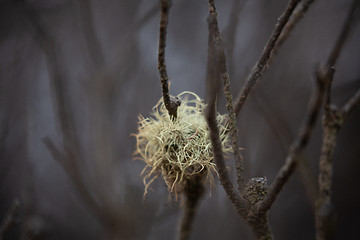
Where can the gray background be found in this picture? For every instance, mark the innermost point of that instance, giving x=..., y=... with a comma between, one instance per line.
x=108, y=88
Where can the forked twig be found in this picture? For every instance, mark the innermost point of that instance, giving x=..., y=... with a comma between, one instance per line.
x=220, y=55
x=299, y=143
x=351, y=104
x=213, y=86
x=296, y=16
x=265, y=57
x=350, y=21
x=333, y=119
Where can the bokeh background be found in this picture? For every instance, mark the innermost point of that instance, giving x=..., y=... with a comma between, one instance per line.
x=107, y=56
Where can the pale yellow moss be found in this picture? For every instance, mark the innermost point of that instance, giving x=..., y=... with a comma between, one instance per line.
x=178, y=149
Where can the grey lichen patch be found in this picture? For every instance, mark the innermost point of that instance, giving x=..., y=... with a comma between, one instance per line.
x=179, y=148
x=256, y=190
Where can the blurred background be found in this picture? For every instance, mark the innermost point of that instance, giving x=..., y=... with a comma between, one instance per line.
x=75, y=75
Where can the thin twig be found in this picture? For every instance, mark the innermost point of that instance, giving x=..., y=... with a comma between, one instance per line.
x=345, y=32
x=351, y=104
x=264, y=59
x=283, y=134
x=296, y=16
x=340, y=42
x=219, y=159
x=298, y=144
x=170, y=104
x=213, y=86
x=9, y=218
x=333, y=120
x=220, y=55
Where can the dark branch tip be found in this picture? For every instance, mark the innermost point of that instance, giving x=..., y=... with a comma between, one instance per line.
x=324, y=74
x=175, y=102
x=172, y=106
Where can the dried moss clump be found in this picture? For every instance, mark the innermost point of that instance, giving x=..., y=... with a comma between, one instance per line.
x=178, y=149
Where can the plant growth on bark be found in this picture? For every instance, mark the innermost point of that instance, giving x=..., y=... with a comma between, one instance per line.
x=254, y=199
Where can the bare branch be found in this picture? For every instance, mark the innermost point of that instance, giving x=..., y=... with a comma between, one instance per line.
x=296, y=16
x=213, y=86
x=284, y=137
x=351, y=104
x=345, y=32
x=219, y=159
x=170, y=104
x=300, y=141
x=220, y=55
x=194, y=190
x=331, y=125
x=333, y=120
x=265, y=56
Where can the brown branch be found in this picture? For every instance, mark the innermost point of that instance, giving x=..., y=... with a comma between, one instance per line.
x=193, y=192
x=300, y=141
x=331, y=125
x=219, y=159
x=170, y=104
x=213, y=86
x=351, y=104
x=344, y=34
x=256, y=217
x=9, y=218
x=256, y=190
x=220, y=55
x=296, y=16
x=333, y=119
x=264, y=59
x=282, y=133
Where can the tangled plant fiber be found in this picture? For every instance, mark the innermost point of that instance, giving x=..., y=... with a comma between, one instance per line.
x=180, y=148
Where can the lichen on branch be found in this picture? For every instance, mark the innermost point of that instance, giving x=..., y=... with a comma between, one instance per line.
x=178, y=148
